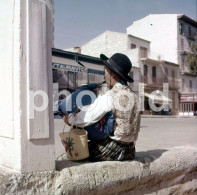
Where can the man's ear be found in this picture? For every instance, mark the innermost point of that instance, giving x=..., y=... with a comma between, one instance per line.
x=113, y=74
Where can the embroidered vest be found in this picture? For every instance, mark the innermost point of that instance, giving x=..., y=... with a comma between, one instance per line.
x=126, y=112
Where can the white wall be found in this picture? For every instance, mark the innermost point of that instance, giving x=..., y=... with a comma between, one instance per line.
x=108, y=43
x=27, y=144
x=10, y=97
x=136, y=78
x=161, y=30
x=138, y=42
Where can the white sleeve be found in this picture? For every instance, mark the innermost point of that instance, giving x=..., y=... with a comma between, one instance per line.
x=92, y=113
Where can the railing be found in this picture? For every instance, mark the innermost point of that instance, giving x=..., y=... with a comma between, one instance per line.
x=151, y=55
x=191, y=36
x=173, y=84
x=141, y=54
x=155, y=56
x=152, y=81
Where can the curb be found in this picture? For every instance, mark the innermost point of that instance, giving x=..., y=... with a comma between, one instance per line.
x=163, y=116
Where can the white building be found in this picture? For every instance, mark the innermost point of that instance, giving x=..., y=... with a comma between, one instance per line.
x=171, y=36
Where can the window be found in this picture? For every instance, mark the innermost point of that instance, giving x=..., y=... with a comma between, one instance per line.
x=182, y=63
x=133, y=46
x=189, y=31
x=154, y=74
x=190, y=86
x=193, y=34
x=182, y=28
x=143, y=52
x=189, y=43
x=173, y=100
x=173, y=78
x=182, y=44
x=166, y=75
x=191, y=107
x=181, y=107
x=185, y=108
x=145, y=73
x=183, y=84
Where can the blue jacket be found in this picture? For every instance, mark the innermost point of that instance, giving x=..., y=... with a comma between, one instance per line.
x=69, y=105
x=96, y=131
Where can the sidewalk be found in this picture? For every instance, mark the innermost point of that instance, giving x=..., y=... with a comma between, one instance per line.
x=165, y=133
x=166, y=116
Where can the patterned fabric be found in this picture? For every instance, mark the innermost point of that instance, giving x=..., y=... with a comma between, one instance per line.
x=110, y=150
x=126, y=112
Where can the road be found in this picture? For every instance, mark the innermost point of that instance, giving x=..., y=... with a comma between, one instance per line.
x=155, y=133
x=164, y=133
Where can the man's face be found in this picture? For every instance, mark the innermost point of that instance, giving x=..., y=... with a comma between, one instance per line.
x=107, y=76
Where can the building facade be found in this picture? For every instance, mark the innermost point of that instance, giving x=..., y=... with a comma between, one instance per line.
x=72, y=70
x=171, y=36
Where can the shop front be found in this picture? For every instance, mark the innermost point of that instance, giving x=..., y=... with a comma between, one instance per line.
x=188, y=105
x=72, y=70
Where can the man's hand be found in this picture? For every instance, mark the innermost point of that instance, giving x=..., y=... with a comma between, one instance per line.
x=99, y=84
x=65, y=118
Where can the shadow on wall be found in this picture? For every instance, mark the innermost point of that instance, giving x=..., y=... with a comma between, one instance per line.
x=144, y=157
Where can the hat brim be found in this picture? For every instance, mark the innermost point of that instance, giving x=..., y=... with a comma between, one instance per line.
x=104, y=58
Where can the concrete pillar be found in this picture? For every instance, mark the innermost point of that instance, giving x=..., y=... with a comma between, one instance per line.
x=26, y=37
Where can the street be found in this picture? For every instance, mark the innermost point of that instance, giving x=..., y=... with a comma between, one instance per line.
x=164, y=133
x=155, y=133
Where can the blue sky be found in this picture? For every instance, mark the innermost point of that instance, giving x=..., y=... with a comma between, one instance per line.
x=78, y=21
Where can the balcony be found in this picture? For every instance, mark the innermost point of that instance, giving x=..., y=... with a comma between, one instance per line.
x=191, y=36
x=152, y=81
x=174, y=84
x=151, y=56
x=158, y=82
x=143, y=54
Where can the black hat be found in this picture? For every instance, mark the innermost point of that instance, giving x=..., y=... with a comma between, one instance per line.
x=120, y=64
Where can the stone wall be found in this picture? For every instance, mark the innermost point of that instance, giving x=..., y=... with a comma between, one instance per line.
x=158, y=172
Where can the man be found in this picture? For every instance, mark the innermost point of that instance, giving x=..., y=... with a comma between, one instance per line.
x=123, y=102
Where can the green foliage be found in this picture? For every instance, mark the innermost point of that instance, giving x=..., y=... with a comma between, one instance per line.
x=192, y=57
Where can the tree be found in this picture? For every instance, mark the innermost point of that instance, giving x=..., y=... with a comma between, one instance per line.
x=192, y=57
